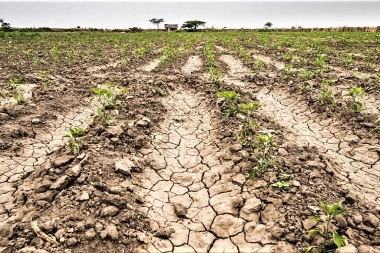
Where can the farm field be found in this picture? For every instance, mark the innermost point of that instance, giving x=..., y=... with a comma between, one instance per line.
x=190, y=142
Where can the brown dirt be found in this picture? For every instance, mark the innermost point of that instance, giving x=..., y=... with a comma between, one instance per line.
x=169, y=174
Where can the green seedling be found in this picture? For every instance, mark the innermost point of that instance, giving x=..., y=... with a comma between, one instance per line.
x=354, y=95
x=264, y=145
x=230, y=103
x=106, y=97
x=44, y=79
x=74, y=135
x=245, y=135
x=14, y=85
x=283, y=186
x=326, y=93
x=377, y=128
x=284, y=176
x=304, y=88
x=320, y=61
x=331, y=211
x=248, y=108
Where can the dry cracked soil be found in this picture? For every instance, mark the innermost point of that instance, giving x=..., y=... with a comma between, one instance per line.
x=169, y=174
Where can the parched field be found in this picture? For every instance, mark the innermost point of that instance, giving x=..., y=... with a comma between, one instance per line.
x=189, y=142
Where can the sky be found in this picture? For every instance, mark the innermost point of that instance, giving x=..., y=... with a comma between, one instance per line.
x=231, y=14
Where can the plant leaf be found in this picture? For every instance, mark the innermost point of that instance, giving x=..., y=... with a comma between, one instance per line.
x=338, y=240
x=312, y=232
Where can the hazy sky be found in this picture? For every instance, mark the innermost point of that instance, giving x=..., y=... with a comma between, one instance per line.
x=247, y=14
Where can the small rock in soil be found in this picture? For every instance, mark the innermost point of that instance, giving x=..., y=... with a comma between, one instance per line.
x=357, y=218
x=341, y=221
x=347, y=249
x=109, y=211
x=115, y=130
x=180, y=209
x=296, y=183
x=90, y=223
x=61, y=183
x=36, y=121
x=80, y=227
x=236, y=148
x=124, y=166
x=38, y=242
x=112, y=232
x=90, y=234
x=62, y=160
x=72, y=241
x=277, y=233
x=371, y=220
x=84, y=196
x=99, y=227
x=285, y=247
x=143, y=122
x=48, y=226
x=367, y=249
x=308, y=224
x=3, y=116
x=103, y=234
x=6, y=230
x=74, y=171
x=164, y=232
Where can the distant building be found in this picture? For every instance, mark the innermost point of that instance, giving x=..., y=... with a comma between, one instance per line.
x=171, y=27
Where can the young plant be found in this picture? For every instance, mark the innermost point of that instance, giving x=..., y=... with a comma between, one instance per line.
x=44, y=79
x=283, y=186
x=331, y=211
x=106, y=97
x=230, y=101
x=74, y=135
x=326, y=93
x=14, y=84
x=354, y=95
x=264, y=145
x=249, y=124
x=376, y=128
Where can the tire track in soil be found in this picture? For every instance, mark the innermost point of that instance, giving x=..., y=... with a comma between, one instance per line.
x=189, y=194
x=358, y=161
x=188, y=187
x=35, y=152
x=370, y=101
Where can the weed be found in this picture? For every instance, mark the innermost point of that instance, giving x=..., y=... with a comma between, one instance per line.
x=74, y=141
x=376, y=128
x=283, y=186
x=249, y=124
x=331, y=211
x=44, y=79
x=354, y=94
x=264, y=145
x=326, y=93
x=230, y=101
x=320, y=61
x=14, y=85
x=106, y=97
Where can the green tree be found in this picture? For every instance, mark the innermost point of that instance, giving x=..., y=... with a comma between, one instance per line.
x=4, y=25
x=156, y=21
x=192, y=25
x=268, y=25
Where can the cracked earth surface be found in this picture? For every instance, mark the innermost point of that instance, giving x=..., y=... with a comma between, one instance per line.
x=358, y=160
x=189, y=188
x=34, y=152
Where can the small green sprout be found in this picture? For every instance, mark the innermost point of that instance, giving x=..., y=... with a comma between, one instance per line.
x=264, y=145
x=229, y=105
x=74, y=141
x=331, y=211
x=283, y=186
x=354, y=95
